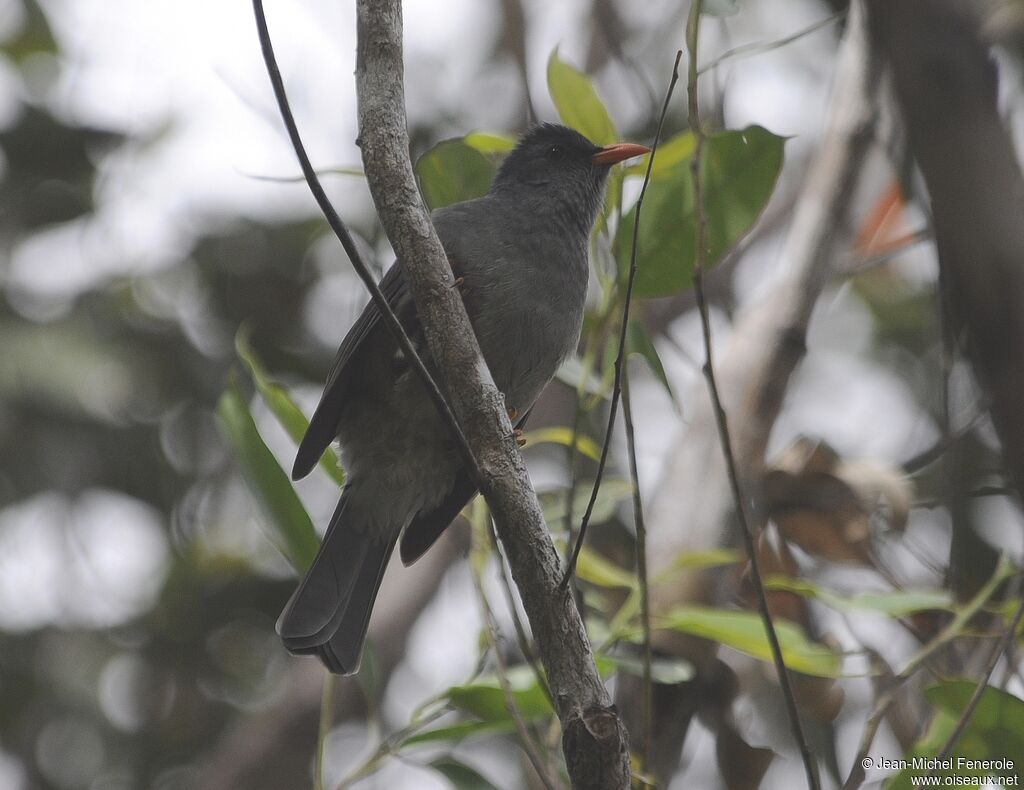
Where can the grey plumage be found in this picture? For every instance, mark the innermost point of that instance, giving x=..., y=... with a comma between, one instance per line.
x=522, y=253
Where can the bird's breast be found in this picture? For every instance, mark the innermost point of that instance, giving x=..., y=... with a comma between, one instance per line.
x=527, y=319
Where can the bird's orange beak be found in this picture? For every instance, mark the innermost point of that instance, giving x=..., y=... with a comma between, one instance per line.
x=619, y=152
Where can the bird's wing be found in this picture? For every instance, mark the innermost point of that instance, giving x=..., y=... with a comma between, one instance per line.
x=424, y=530
x=323, y=427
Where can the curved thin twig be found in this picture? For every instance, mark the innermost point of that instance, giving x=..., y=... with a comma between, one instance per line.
x=760, y=47
x=526, y=739
x=810, y=765
x=617, y=389
x=647, y=705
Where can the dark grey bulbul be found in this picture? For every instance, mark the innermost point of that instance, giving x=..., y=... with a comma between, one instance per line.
x=521, y=254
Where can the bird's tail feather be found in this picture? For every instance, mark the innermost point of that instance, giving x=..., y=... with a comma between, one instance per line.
x=329, y=612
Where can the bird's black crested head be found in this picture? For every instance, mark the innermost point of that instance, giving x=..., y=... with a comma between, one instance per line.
x=549, y=154
x=558, y=172
x=552, y=172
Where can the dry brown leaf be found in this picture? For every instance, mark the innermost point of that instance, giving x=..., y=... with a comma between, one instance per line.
x=775, y=561
x=742, y=766
x=825, y=504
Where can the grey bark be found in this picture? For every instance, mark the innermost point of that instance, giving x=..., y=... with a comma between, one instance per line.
x=594, y=739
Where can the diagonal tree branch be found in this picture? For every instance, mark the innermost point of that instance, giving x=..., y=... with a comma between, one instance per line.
x=594, y=739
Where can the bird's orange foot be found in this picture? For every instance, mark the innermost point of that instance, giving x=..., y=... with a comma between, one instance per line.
x=512, y=413
x=520, y=439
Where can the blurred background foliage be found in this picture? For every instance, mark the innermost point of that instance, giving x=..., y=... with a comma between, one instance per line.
x=171, y=302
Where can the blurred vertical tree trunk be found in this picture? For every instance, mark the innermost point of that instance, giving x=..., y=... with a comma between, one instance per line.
x=946, y=86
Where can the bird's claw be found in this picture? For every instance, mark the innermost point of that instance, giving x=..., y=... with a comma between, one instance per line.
x=520, y=439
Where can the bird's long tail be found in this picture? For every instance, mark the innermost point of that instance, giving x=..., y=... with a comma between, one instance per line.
x=329, y=612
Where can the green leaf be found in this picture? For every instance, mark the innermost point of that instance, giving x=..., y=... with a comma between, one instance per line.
x=995, y=732
x=598, y=569
x=490, y=143
x=453, y=171
x=563, y=436
x=34, y=36
x=453, y=733
x=666, y=671
x=577, y=102
x=892, y=604
x=640, y=343
x=289, y=526
x=460, y=775
x=744, y=631
x=485, y=699
x=739, y=172
x=665, y=249
x=696, y=560
x=710, y=558
x=621, y=626
x=622, y=621
x=996, y=709
x=608, y=497
x=671, y=153
x=897, y=603
x=281, y=405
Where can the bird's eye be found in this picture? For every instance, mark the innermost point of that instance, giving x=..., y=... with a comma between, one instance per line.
x=556, y=151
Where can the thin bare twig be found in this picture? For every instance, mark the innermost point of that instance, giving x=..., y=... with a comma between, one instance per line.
x=326, y=722
x=692, y=33
x=975, y=493
x=937, y=451
x=353, y=172
x=759, y=47
x=570, y=493
x=341, y=231
x=647, y=706
x=623, y=329
x=477, y=562
x=517, y=621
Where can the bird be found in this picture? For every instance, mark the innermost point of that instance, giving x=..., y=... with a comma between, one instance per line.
x=520, y=258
